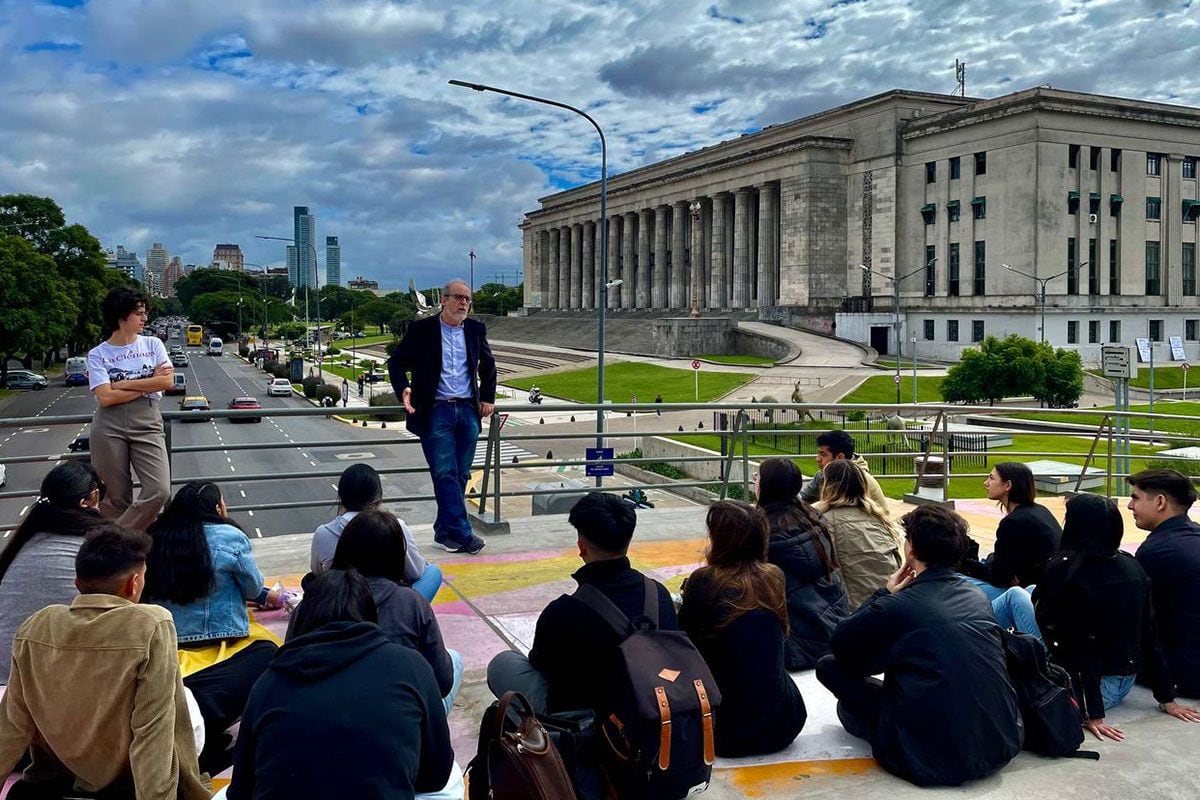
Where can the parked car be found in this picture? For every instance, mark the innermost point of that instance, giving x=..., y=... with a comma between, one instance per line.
x=279, y=387
x=244, y=404
x=26, y=379
x=196, y=404
x=179, y=384
x=180, y=360
x=373, y=377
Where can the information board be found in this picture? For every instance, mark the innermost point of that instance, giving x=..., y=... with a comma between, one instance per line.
x=597, y=454
x=1117, y=362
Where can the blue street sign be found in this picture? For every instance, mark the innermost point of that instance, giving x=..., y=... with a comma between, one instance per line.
x=599, y=454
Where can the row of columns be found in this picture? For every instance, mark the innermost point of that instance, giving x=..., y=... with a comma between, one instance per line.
x=723, y=250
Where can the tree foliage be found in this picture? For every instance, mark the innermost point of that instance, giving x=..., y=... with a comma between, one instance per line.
x=377, y=312
x=36, y=303
x=1014, y=367
x=206, y=281
x=496, y=298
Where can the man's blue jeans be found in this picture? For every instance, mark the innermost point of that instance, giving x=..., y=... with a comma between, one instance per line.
x=449, y=447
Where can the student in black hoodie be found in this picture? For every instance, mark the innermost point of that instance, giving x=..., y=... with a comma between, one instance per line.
x=802, y=547
x=342, y=711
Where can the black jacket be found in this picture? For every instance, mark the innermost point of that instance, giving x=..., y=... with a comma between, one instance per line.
x=1026, y=538
x=762, y=710
x=1171, y=557
x=816, y=601
x=343, y=712
x=948, y=713
x=1097, y=619
x=420, y=354
x=407, y=618
x=576, y=649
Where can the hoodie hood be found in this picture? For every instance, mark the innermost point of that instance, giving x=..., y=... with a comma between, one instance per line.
x=1093, y=524
x=327, y=650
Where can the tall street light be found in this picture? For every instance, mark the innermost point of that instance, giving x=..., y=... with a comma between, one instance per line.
x=896, y=310
x=1042, y=289
x=479, y=87
x=307, y=290
x=471, y=255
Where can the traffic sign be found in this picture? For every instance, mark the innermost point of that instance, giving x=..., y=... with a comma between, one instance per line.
x=896, y=379
x=594, y=454
x=696, y=364
x=1185, y=366
x=1117, y=362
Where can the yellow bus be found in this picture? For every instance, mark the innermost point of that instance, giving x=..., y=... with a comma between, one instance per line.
x=195, y=335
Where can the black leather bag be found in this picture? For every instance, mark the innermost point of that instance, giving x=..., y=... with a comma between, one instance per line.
x=576, y=735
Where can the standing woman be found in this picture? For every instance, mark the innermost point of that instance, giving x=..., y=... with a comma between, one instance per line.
x=1026, y=537
x=735, y=611
x=866, y=542
x=802, y=547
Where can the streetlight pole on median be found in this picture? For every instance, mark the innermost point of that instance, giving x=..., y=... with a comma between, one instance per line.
x=307, y=290
x=896, y=313
x=1042, y=290
x=479, y=87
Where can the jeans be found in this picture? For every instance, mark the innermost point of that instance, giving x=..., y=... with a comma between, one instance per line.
x=1114, y=688
x=221, y=691
x=510, y=671
x=1013, y=608
x=430, y=581
x=990, y=592
x=449, y=447
x=456, y=684
x=860, y=699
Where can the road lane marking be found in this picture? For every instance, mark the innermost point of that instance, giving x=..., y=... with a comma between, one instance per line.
x=258, y=532
x=23, y=510
x=312, y=462
x=251, y=513
x=243, y=491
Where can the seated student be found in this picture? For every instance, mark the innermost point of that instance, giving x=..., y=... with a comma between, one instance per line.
x=373, y=544
x=839, y=446
x=735, y=613
x=945, y=712
x=342, y=711
x=1171, y=557
x=202, y=570
x=359, y=489
x=1093, y=604
x=37, y=567
x=95, y=687
x=802, y=547
x=574, y=653
x=1025, y=538
x=866, y=542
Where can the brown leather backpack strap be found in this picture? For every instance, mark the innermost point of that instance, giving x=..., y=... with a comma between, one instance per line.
x=664, y=736
x=706, y=722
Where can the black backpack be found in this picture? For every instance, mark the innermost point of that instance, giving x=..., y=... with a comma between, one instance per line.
x=658, y=734
x=1053, y=724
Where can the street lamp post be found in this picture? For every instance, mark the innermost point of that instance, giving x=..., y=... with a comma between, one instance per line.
x=479, y=87
x=307, y=290
x=896, y=314
x=1042, y=290
x=471, y=255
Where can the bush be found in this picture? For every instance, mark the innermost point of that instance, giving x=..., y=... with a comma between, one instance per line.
x=635, y=453
x=365, y=363
x=1189, y=467
x=666, y=470
x=332, y=351
x=856, y=416
x=243, y=351
x=311, y=385
x=329, y=390
x=386, y=399
x=390, y=346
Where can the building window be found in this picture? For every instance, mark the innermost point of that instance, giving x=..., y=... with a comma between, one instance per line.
x=1093, y=268
x=929, y=213
x=977, y=330
x=1072, y=332
x=1114, y=267
x=1115, y=202
x=930, y=171
x=929, y=330
x=1114, y=160
x=952, y=272
x=980, y=282
x=1094, y=203
x=1072, y=203
x=1156, y=328
x=1191, y=210
x=1094, y=159
x=930, y=270
x=1153, y=275
x=1153, y=208
x=1191, y=327
x=1153, y=163
x=1073, y=156
x=1189, y=167
x=955, y=168
x=953, y=211
x=979, y=208
x=951, y=330
x=1094, y=332
x=1114, y=331
x=1072, y=272
x=1189, y=269
x=981, y=163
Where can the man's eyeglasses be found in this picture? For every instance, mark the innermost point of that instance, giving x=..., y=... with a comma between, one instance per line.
x=462, y=298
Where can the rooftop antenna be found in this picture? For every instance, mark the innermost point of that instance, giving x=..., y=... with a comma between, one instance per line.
x=960, y=77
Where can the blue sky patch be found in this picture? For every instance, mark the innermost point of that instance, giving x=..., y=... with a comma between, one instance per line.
x=52, y=47
x=715, y=13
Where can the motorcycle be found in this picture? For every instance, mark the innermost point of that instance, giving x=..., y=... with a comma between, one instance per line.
x=535, y=396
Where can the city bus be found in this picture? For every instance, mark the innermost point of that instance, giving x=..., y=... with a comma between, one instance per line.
x=195, y=335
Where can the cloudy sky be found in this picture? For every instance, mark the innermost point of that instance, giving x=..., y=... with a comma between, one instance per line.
x=192, y=122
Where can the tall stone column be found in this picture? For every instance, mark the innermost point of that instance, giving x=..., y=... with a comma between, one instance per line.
x=698, y=252
x=628, y=252
x=767, y=256
x=550, y=299
x=660, y=293
x=717, y=297
x=576, y=246
x=741, y=249
x=564, y=267
x=614, y=260
x=588, y=267
x=679, y=222
x=644, y=273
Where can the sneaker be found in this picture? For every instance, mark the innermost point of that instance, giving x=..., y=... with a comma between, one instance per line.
x=449, y=547
x=473, y=545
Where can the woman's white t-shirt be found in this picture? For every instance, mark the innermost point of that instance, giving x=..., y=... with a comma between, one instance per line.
x=109, y=363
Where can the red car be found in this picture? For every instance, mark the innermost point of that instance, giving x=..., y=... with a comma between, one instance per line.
x=245, y=404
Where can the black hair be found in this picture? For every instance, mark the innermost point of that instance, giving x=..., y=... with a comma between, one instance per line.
x=359, y=487
x=839, y=443
x=605, y=521
x=57, y=509
x=1175, y=485
x=1092, y=524
x=334, y=596
x=119, y=303
x=937, y=535
x=1023, y=491
x=779, y=482
x=180, y=569
x=110, y=551
x=373, y=544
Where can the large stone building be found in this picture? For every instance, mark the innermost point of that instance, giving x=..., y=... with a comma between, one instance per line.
x=1096, y=194
x=229, y=256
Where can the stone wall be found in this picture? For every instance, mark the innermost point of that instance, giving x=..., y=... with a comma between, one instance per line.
x=683, y=337
x=663, y=449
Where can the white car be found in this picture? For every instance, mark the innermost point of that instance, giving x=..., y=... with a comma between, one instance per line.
x=279, y=387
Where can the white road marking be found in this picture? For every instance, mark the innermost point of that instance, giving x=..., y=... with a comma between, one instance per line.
x=258, y=532
x=243, y=491
x=251, y=513
x=230, y=460
x=312, y=462
x=23, y=510
x=334, y=485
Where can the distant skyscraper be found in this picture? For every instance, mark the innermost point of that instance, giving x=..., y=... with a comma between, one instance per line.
x=127, y=262
x=333, y=261
x=305, y=236
x=171, y=276
x=230, y=255
x=157, y=258
x=291, y=264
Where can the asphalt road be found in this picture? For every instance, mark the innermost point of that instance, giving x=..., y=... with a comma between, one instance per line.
x=221, y=379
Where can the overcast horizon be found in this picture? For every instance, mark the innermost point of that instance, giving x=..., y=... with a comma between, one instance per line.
x=192, y=123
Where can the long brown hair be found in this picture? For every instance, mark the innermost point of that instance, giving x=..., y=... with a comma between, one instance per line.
x=737, y=560
x=779, y=481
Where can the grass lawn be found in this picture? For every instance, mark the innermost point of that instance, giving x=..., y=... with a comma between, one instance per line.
x=749, y=361
x=362, y=341
x=1168, y=377
x=881, y=390
x=1187, y=427
x=351, y=373
x=625, y=379
x=7, y=393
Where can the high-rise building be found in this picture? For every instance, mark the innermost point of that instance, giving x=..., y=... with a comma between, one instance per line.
x=171, y=276
x=157, y=258
x=292, y=265
x=229, y=255
x=304, y=226
x=127, y=262
x=333, y=261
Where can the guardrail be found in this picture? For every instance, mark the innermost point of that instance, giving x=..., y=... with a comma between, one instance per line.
x=1110, y=447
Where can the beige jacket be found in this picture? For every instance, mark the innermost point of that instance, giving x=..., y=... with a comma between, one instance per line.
x=97, y=684
x=868, y=552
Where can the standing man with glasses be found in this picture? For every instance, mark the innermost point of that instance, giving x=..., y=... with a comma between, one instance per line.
x=444, y=373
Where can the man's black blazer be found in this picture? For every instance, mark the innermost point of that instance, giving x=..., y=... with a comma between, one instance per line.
x=420, y=354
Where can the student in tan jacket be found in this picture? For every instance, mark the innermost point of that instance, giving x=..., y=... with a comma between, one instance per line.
x=95, y=687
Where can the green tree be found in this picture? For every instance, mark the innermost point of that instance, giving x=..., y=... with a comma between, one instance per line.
x=496, y=298
x=220, y=307
x=978, y=376
x=1063, y=382
x=166, y=307
x=36, y=313
x=277, y=286
x=206, y=281
x=289, y=331
x=377, y=312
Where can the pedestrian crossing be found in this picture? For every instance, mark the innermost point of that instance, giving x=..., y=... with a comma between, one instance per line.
x=507, y=453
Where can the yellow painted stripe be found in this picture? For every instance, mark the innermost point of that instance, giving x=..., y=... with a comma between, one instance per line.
x=770, y=780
